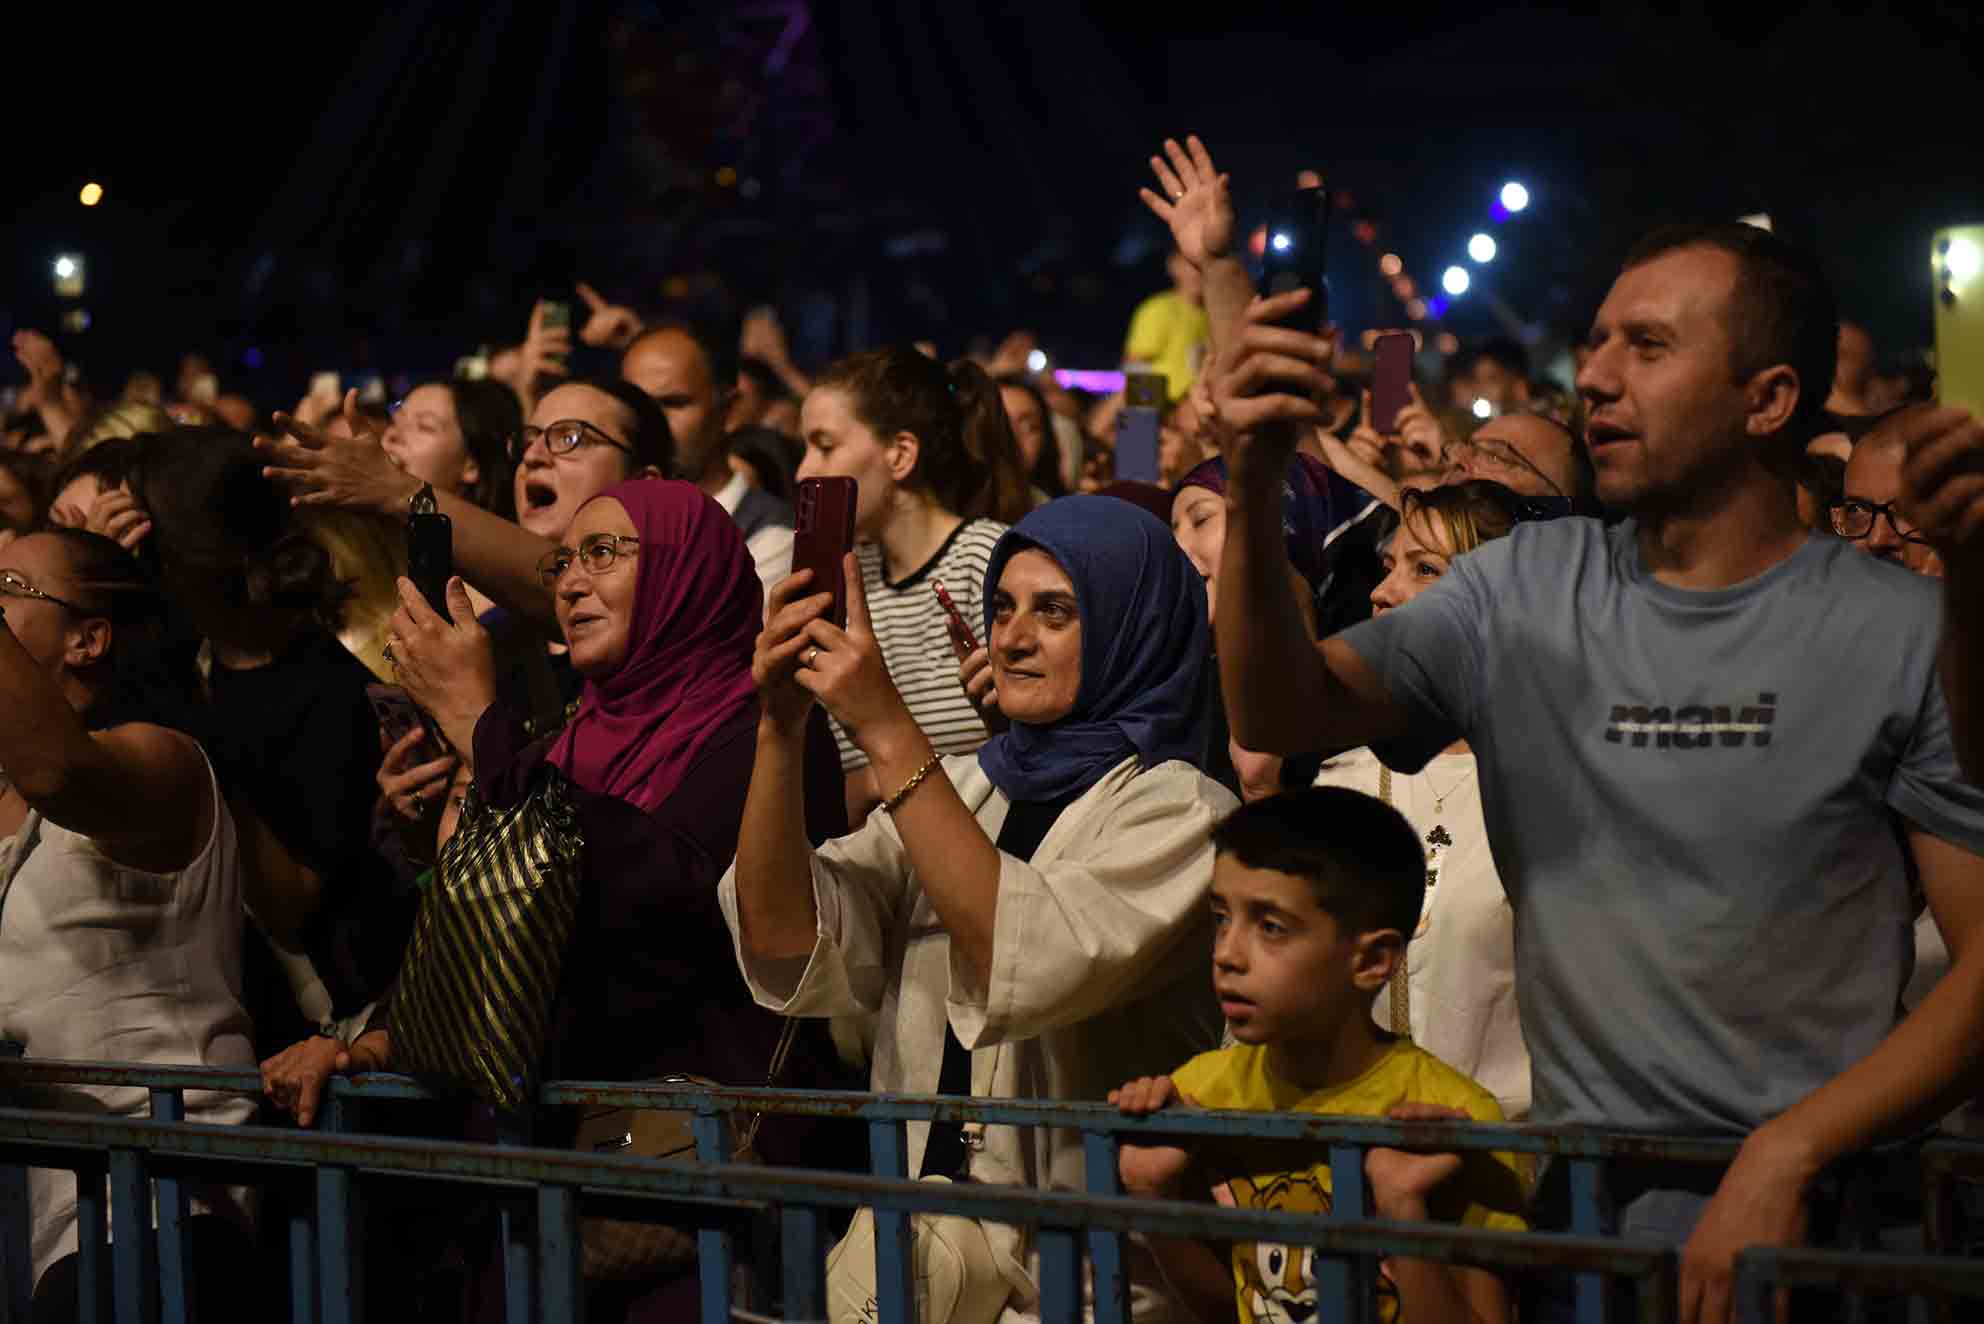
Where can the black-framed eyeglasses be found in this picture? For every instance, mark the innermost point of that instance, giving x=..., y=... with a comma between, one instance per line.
x=14, y=585
x=598, y=553
x=562, y=438
x=1854, y=520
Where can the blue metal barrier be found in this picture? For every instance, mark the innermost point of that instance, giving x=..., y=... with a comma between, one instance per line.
x=708, y=1195
x=1101, y=1127
x=1761, y=1271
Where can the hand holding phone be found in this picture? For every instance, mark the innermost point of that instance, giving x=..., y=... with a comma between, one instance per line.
x=1297, y=244
x=398, y=716
x=963, y=642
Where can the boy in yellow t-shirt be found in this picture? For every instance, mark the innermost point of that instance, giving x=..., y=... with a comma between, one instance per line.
x=1313, y=893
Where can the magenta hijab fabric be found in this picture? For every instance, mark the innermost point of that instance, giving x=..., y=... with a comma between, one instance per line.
x=687, y=673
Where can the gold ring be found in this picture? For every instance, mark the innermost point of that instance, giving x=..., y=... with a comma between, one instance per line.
x=811, y=654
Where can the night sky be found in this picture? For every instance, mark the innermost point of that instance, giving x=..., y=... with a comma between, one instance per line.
x=388, y=190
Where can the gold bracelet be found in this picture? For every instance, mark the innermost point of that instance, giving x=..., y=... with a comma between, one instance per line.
x=889, y=805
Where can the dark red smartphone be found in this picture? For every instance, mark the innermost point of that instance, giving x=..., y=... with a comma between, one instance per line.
x=823, y=533
x=963, y=642
x=1391, y=380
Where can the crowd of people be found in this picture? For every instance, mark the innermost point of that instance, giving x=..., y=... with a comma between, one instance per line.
x=1612, y=761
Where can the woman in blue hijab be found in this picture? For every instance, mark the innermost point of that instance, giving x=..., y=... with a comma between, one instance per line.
x=1028, y=921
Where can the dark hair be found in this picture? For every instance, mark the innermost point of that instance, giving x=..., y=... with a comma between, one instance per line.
x=1781, y=310
x=1468, y=513
x=32, y=474
x=489, y=415
x=214, y=514
x=967, y=458
x=111, y=463
x=653, y=442
x=143, y=677
x=1359, y=856
x=770, y=385
x=774, y=455
x=1046, y=473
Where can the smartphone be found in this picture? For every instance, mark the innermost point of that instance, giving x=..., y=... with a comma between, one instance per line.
x=398, y=715
x=963, y=642
x=557, y=314
x=1391, y=380
x=1958, y=254
x=325, y=386
x=1297, y=242
x=430, y=557
x=1137, y=427
x=823, y=533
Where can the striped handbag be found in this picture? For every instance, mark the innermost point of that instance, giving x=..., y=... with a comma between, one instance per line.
x=473, y=1004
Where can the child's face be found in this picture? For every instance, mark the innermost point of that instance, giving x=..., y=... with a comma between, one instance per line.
x=1283, y=968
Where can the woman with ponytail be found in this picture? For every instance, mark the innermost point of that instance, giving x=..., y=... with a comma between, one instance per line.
x=939, y=479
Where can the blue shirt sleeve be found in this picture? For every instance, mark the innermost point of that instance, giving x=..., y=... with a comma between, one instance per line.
x=1429, y=653
x=1928, y=788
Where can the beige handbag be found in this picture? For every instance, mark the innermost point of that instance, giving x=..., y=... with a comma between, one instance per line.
x=952, y=1264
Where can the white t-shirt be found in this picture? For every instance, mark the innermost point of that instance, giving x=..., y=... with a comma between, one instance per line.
x=910, y=627
x=770, y=546
x=1460, y=964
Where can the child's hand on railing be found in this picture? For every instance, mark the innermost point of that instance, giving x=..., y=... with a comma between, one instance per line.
x=1157, y=1172
x=1402, y=1181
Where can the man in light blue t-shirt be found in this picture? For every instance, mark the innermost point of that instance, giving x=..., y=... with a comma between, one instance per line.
x=1694, y=730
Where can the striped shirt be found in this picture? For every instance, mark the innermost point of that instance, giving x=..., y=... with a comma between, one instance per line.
x=909, y=626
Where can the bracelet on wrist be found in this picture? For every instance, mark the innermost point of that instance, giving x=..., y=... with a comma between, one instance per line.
x=422, y=501
x=916, y=779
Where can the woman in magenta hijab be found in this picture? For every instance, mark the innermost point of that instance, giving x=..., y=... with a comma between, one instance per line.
x=660, y=606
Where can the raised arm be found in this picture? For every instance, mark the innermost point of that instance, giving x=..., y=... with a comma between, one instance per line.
x=353, y=473
x=140, y=792
x=1943, y=495
x=1285, y=692
x=777, y=916
x=1198, y=207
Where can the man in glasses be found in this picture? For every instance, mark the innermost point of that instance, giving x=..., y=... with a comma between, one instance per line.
x=1867, y=515
x=1529, y=454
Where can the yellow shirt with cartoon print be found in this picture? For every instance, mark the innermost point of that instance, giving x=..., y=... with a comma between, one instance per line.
x=1277, y=1284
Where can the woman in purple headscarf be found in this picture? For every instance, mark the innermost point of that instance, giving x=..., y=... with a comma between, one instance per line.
x=658, y=602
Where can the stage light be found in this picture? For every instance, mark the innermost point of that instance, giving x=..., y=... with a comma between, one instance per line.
x=1514, y=196
x=1436, y=306
x=65, y=267
x=1481, y=248
x=91, y=195
x=1036, y=361
x=1390, y=264
x=1416, y=310
x=1282, y=243
x=1482, y=409
x=1455, y=280
x=1448, y=343
x=1404, y=287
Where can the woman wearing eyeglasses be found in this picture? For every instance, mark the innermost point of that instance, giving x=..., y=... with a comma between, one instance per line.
x=120, y=884
x=658, y=601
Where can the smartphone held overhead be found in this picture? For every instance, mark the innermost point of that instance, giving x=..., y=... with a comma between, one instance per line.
x=1391, y=380
x=1294, y=255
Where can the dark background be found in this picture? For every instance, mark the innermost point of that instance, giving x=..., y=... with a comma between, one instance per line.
x=384, y=190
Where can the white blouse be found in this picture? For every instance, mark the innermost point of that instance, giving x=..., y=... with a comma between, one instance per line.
x=1460, y=964
x=1102, y=970
x=104, y=962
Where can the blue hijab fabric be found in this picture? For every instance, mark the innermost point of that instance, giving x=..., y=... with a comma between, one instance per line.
x=1145, y=650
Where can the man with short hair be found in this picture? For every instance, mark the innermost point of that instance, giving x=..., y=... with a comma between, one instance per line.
x=1499, y=374
x=1169, y=331
x=1526, y=453
x=682, y=372
x=1854, y=376
x=1692, y=729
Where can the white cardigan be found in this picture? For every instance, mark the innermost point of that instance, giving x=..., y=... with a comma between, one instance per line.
x=1101, y=968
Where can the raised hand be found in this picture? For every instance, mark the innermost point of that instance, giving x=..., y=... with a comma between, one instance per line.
x=610, y=324
x=775, y=659
x=117, y=515
x=322, y=468
x=447, y=666
x=763, y=337
x=1157, y=1171
x=1273, y=377
x=845, y=671
x=1423, y=439
x=1942, y=480
x=1196, y=203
